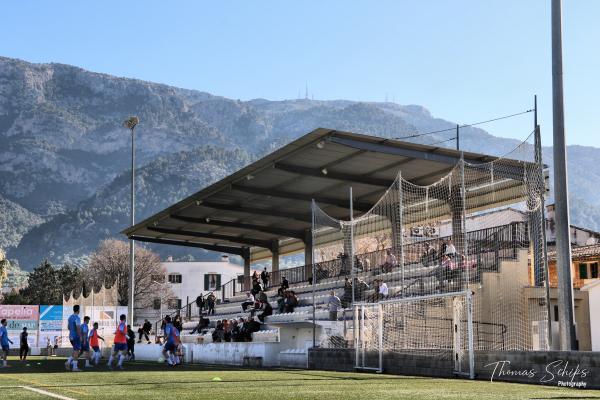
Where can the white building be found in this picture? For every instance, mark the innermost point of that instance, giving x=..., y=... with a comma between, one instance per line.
x=187, y=280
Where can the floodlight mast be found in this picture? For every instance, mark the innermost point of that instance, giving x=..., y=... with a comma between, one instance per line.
x=130, y=124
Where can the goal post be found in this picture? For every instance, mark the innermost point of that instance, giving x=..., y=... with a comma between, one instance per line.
x=436, y=327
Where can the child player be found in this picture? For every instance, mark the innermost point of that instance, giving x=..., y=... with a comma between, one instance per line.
x=85, y=341
x=4, y=341
x=95, y=344
x=120, y=346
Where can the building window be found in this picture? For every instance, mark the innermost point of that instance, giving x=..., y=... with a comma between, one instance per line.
x=158, y=278
x=583, y=272
x=156, y=304
x=174, y=278
x=174, y=304
x=212, y=282
x=594, y=270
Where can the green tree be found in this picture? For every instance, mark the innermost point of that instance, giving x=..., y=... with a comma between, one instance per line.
x=14, y=297
x=70, y=279
x=4, y=264
x=43, y=285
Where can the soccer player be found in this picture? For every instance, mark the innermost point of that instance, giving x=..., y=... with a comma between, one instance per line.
x=85, y=341
x=4, y=341
x=120, y=346
x=171, y=342
x=95, y=344
x=74, y=326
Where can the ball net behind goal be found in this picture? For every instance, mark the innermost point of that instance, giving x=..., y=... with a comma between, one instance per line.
x=479, y=229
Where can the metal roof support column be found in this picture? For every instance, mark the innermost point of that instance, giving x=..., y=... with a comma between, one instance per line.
x=308, y=247
x=246, y=257
x=274, y=256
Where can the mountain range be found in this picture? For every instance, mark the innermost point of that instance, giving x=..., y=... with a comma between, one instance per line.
x=64, y=156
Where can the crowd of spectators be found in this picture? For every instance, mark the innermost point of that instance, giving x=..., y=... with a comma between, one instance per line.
x=235, y=330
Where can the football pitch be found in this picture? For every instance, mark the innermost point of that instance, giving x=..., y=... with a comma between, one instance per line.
x=46, y=379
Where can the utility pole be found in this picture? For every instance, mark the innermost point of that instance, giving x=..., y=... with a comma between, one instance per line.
x=563, y=239
x=457, y=138
x=130, y=124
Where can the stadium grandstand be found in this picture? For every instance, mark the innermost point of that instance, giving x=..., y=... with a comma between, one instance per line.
x=388, y=228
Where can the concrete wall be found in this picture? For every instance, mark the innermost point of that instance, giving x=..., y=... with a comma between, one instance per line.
x=593, y=291
x=534, y=367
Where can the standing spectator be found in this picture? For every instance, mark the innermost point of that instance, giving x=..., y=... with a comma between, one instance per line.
x=145, y=331
x=290, y=302
x=24, y=349
x=347, y=297
x=130, y=343
x=256, y=288
x=265, y=277
x=249, y=301
x=333, y=304
x=177, y=322
x=390, y=261
x=48, y=347
x=285, y=285
x=200, y=304
x=210, y=301
x=360, y=288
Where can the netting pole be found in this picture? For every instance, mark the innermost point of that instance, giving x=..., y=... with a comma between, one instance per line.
x=380, y=334
x=355, y=336
x=362, y=335
x=314, y=277
x=351, y=247
x=542, y=188
x=400, y=236
x=470, y=334
x=463, y=233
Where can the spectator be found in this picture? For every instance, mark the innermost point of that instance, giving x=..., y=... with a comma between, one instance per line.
x=211, y=299
x=367, y=264
x=255, y=287
x=130, y=343
x=450, y=249
x=267, y=310
x=200, y=304
x=360, y=288
x=24, y=349
x=218, y=334
x=202, y=324
x=177, y=322
x=227, y=326
x=383, y=290
x=290, y=302
x=250, y=326
x=347, y=297
x=284, y=283
x=255, y=277
x=249, y=301
x=428, y=257
x=358, y=263
x=281, y=294
x=265, y=277
x=235, y=331
x=49, y=351
x=333, y=304
x=145, y=331
x=390, y=261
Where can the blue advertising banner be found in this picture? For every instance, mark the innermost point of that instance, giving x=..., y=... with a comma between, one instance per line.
x=50, y=325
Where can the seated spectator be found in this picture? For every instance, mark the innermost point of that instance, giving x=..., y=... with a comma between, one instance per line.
x=202, y=324
x=267, y=310
x=250, y=326
x=226, y=331
x=290, y=302
x=235, y=331
x=249, y=301
x=390, y=261
x=281, y=295
x=450, y=249
x=361, y=287
x=256, y=288
x=428, y=257
x=218, y=334
x=284, y=283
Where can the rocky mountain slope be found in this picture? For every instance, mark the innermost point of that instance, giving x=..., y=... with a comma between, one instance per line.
x=64, y=157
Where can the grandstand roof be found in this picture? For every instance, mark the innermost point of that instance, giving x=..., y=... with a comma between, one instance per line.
x=268, y=202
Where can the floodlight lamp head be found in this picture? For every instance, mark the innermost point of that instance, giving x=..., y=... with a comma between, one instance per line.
x=131, y=122
x=324, y=171
x=321, y=144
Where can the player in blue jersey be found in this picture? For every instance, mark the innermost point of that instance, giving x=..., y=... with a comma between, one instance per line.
x=74, y=326
x=171, y=342
x=4, y=341
x=85, y=341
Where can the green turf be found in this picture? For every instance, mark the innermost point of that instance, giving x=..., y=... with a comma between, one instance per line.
x=145, y=380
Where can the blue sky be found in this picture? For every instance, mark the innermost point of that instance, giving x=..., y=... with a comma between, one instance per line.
x=464, y=60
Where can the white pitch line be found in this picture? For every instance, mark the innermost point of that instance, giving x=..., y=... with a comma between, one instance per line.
x=46, y=393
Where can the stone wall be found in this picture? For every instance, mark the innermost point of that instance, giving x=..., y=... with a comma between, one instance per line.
x=534, y=367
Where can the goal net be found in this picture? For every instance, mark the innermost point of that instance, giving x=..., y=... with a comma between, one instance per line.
x=479, y=229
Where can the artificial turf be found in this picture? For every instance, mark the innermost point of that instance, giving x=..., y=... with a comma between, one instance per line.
x=146, y=380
